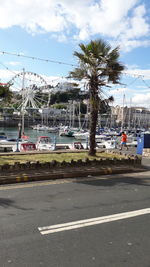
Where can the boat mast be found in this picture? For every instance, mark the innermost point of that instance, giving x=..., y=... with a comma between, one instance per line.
x=23, y=101
x=122, y=122
x=73, y=113
x=70, y=113
x=79, y=115
x=87, y=114
x=130, y=114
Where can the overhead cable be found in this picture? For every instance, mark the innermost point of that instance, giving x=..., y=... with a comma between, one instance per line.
x=37, y=58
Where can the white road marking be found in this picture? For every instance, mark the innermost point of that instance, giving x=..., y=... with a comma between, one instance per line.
x=93, y=221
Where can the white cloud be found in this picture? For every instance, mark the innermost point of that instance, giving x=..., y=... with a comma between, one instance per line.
x=128, y=44
x=139, y=26
x=143, y=73
x=141, y=99
x=54, y=80
x=82, y=19
x=119, y=91
x=14, y=63
x=6, y=75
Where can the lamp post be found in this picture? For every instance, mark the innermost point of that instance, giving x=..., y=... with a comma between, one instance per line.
x=19, y=136
x=54, y=147
x=19, y=130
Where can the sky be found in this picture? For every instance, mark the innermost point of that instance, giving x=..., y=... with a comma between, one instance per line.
x=53, y=29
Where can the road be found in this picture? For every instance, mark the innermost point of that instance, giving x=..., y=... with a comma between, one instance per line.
x=26, y=208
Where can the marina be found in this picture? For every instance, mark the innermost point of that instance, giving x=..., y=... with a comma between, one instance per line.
x=43, y=140
x=50, y=142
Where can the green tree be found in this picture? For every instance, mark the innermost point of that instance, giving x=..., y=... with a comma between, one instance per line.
x=99, y=65
x=59, y=106
x=105, y=105
x=63, y=97
x=5, y=93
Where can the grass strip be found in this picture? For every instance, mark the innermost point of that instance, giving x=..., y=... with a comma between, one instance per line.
x=11, y=159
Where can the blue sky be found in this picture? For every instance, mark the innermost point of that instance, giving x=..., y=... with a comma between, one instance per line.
x=53, y=29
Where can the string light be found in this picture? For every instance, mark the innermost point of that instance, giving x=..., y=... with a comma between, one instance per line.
x=37, y=58
x=17, y=74
x=141, y=76
x=65, y=63
x=145, y=83
x=135, y=75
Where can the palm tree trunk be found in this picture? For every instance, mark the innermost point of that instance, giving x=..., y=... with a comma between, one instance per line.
x=93, y=123
x=93, y=120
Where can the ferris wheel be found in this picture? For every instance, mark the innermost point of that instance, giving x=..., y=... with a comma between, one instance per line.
x=31, y=91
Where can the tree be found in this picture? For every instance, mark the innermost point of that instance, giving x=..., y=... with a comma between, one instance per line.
x=59, y=106
x=63, y=97
x=104, y=105
x=99, y=65
x=5, y=93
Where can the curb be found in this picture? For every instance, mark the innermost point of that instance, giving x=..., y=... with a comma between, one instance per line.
x=29, y=177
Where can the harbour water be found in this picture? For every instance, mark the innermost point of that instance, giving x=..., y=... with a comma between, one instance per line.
x=34, y=134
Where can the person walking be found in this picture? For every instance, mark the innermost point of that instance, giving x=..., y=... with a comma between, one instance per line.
x=123, y=141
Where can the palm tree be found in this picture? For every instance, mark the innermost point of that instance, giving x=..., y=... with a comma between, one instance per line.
x=99, y=65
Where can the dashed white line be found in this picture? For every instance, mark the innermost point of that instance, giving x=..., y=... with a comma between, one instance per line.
x=92, y=221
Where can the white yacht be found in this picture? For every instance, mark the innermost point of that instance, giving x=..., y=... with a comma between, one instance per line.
x=44, y=143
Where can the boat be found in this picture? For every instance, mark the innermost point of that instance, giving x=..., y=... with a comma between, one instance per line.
x=66, y=132
x=81, y=135
x=110, y=144
x=23, y=145
x=6, y=145
x=29, y=146
x=102, y=137
x=44, y=143
x=132, y=143
x=3, y=136
x=53, y=129
x=85, y=136
x=11, y=144
x=40, y=127
x=78, y=145
x=8, y=141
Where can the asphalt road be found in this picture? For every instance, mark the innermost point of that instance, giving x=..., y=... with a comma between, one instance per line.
x=26, y=208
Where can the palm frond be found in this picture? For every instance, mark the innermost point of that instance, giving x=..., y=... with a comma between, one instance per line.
x=97, y=59
x=78, y=73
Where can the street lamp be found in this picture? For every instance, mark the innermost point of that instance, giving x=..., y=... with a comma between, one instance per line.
x=19, y=136
x=19, y=130
x=54, y=145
